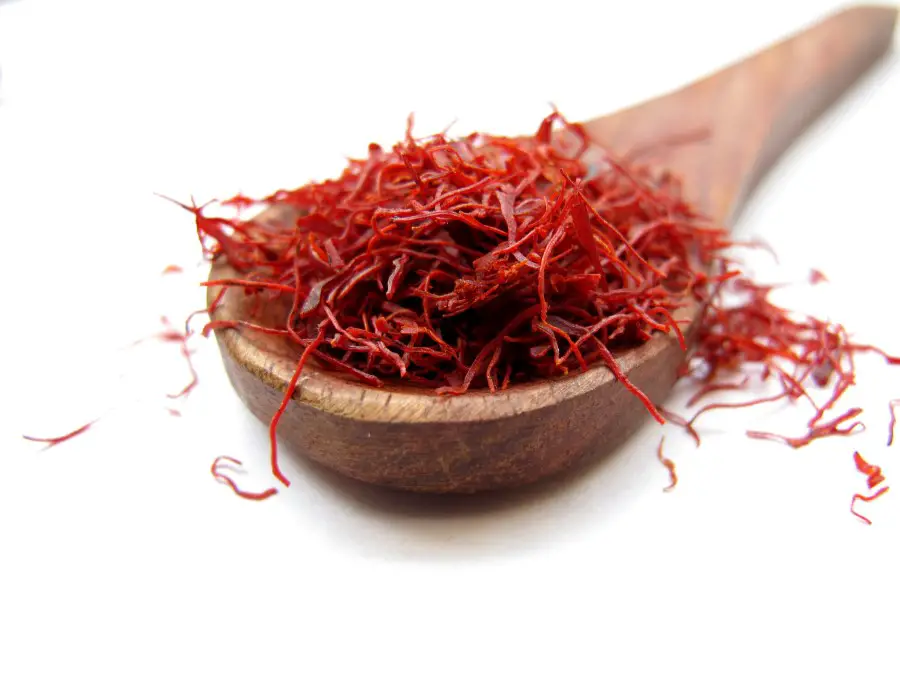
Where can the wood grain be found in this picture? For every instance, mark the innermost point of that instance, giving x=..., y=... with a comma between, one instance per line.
x=414, y=440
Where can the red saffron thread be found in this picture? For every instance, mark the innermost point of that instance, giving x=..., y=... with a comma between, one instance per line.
x=864, y=498
x=680, y=421
x=216, y=471
x=816, y=277
x=56, y=440
x=669, y=464
x=172, y=269
x=892, y=423
x=288, y=395
x=823, y=430
x=872, y=472
x=170, y=334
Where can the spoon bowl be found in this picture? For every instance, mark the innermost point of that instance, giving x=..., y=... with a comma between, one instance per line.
x=413, y=439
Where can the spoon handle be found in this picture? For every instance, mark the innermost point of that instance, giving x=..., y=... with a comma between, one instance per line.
x=750, y=112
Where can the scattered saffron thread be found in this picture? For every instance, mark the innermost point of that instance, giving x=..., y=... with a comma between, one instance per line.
x=821, y=430
x=816, y=277
x=874, y=478
x=873, y=474
x=171, y=334
x=168, y=334
x=669, y=464
x=55, y=440
x=216, y=471
x=864, y=498
x=892, y=423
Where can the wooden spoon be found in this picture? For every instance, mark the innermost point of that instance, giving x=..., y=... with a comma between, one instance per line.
x=415, y=440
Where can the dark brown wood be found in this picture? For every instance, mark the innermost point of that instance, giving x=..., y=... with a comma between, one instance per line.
x=418, y=441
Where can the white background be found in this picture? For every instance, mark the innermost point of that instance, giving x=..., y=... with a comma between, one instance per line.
x=120, y=554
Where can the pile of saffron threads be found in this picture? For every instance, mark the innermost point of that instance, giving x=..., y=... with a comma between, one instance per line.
x=486, y=261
